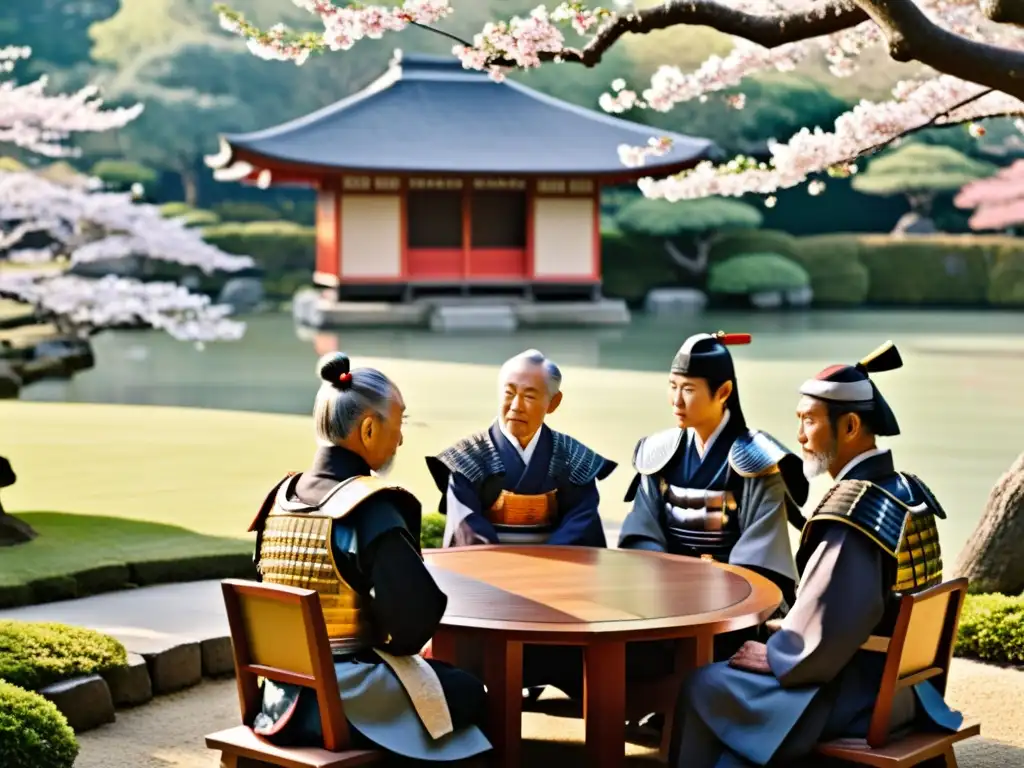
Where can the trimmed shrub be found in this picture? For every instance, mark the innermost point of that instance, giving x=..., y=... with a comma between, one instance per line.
x=1006, y=279
x=686, y=218
x=754, y=241
x=276, y=246
x=838, y=277
x=992, y=629
x=754, y=273
x=245, y=212
x=123, y=173
x=926, y=269
x=33, y=655
x=175, y=208
x=432, y=531
x=199, y=218
x=632, y=266
x=33, y=732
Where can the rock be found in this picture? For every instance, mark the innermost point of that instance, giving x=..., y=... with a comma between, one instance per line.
x=991, y=559
x=914, y=224
x=128, y=266
x=130, y=686
x=174, y=668
x=800, y=297
x=10, y=381
x=242, y=293
x=14, y=531
x=218, y=659
x=766, y=299
x=84, y=701
x=675, y=300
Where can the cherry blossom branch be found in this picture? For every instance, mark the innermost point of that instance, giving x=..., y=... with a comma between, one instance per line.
x=769, y=30
x=100, y=227
x=912, y=36
x=944, y=100
x=40, y=122
x=117, y=302
x=1004, y=11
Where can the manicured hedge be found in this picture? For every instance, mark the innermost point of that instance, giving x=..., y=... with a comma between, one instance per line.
x=631, y=266
x=756, y=272
x=283, y=250
x=992, y=629
x=754, y=241
x=938, y=270
x=33, y=732
x=1006, y=278
x=833, y=262
x=34, y=655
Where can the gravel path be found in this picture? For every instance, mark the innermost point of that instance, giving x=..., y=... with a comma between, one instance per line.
x=169, y=731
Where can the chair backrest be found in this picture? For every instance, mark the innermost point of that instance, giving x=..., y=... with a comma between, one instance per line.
x=921, y=648
x=278, y=633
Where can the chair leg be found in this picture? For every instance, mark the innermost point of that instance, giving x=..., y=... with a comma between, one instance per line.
x=951, y=758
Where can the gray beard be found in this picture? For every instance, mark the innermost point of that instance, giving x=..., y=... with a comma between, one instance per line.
x=385, y=470
x=816, y=464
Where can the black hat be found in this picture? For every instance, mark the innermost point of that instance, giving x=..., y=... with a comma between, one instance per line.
x=706, y=356
x=851, y=386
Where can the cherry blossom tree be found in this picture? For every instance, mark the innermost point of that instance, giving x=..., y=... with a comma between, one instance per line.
x=78, y=224
x=998, y=201
x=974, y=48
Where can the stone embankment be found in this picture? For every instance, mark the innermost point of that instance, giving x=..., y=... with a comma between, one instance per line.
x=34, y=347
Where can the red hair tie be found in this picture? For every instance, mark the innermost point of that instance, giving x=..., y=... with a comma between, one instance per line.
x=345, y=378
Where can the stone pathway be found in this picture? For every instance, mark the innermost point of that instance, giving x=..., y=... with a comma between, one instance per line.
x=183, y=628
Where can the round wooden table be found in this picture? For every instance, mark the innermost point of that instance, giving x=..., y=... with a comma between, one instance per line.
x=505, y=596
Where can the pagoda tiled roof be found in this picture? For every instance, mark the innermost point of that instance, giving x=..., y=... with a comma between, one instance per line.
x=427, y=114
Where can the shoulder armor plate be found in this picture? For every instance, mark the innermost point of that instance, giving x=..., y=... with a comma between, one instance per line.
x=654, y=452
x=473, y=457
x=572, y=459
x=755, y=453
x=869, y=508
x=929, y=498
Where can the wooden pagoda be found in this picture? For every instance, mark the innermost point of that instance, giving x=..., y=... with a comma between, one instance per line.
x=435, y=179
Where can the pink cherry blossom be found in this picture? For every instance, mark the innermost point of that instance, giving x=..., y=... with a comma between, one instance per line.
x=39, y=122
x=99, y=227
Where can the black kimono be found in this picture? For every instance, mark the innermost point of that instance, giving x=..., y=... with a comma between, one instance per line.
x=823, y=685
x=376, y=552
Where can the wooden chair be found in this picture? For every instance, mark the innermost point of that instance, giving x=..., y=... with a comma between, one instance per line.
x=278, y=633
x=921, y=648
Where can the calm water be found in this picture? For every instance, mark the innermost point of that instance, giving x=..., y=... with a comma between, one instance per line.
x=958, y=398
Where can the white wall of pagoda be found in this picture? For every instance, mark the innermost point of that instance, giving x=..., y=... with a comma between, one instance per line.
x=371, y=236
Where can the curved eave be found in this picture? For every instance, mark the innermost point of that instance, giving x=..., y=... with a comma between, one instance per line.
x=299, y=172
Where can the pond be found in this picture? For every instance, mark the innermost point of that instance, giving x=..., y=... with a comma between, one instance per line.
x=958, y=398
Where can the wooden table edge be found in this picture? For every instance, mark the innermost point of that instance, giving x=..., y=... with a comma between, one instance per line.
x=764, y=598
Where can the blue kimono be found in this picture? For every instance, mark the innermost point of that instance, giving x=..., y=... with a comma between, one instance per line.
x=823, y=686
x=483, y=477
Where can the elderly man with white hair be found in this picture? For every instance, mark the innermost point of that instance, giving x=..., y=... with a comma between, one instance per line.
x=520, y=482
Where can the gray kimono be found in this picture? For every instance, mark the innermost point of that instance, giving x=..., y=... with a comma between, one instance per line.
x=822, y=685
x=732, y=503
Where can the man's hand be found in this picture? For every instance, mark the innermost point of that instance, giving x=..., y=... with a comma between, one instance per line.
x=752, y=657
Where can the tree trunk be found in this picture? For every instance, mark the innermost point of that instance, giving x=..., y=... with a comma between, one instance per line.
x=190, y=185
x=992, y=558
x=14, y=531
